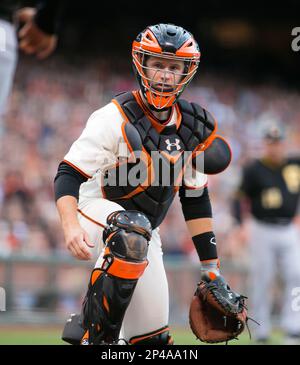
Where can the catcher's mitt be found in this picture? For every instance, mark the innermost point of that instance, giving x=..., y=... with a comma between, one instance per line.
x=217, y=314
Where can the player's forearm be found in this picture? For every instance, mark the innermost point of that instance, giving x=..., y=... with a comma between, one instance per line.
x=67, y=209
x=204, y=239
x=198, y=215
x=199, y=226
x=66, y=188
x=237, y=207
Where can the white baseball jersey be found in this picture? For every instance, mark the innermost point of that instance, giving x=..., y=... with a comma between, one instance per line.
x=102, y=143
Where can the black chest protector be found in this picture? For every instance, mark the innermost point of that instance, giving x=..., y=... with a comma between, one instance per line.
x=149, y=179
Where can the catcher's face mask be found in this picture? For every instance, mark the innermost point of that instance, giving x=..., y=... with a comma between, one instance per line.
x=165, y=59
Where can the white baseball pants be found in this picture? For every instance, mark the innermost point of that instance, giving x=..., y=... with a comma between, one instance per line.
x=148, y=310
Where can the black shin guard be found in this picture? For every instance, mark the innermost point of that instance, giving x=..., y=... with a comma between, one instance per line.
x=111, y=286
x=105, y=305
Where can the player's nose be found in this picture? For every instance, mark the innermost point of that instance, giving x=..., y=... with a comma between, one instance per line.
x=165, y=76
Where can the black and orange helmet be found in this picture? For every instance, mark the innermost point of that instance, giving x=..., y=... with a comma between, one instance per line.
x=170, y=42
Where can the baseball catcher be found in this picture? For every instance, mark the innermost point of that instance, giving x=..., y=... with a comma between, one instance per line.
x=115, y=185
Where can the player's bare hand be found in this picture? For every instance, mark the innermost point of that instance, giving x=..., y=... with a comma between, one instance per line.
x=25, y=14
x=32, y=40
x=78, y=243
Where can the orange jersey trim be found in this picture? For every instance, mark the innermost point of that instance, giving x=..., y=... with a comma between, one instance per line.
x=78, y=169
x=125, y=136
x=90, y=219
x=120, y=109
x=114, y=101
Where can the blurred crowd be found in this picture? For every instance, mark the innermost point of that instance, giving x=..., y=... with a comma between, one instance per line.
x=49, y=107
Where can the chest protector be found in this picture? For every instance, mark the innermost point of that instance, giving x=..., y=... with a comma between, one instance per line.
x=149, y=179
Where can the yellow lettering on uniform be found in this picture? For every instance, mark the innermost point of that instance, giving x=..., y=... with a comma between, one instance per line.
x=291, y=175
x=271, y=198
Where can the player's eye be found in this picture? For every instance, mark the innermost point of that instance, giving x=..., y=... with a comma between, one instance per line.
x=175, y=68
x=158, y=65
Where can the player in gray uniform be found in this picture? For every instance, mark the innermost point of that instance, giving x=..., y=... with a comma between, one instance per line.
x=272, y=186
x=8, y=53
x=37, y=35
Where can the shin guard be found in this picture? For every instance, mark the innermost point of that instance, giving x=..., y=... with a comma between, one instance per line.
x=112, y=285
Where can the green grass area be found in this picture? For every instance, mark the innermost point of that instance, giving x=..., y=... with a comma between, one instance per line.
x=24, y=335
x=30, y=336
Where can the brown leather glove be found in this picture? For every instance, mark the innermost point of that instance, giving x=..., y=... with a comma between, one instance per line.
x=217, y=313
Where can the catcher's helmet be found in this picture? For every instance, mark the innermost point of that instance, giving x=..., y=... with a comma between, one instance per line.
x=166, y=41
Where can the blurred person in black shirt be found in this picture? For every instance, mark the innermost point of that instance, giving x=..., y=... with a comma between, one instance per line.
x=271, y=185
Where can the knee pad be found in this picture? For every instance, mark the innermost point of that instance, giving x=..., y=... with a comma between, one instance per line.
x=127, y=234
x=112, y=285
x=158, y=337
